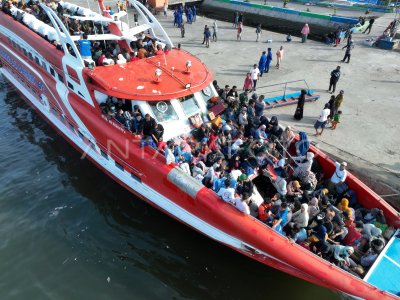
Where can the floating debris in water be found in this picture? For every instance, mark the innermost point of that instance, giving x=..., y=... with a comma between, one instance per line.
x=108, y=279
x=56, y=211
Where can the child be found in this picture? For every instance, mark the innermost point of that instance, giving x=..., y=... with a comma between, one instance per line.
x=336, y=119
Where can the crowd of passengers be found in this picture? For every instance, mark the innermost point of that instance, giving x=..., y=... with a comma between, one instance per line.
x=316, y=210
x=103, y=53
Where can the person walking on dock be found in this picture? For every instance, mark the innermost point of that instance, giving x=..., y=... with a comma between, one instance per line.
x=335, y=75
x=215, y=30
x=194, y=13
x=207, y=36
x=255, y=75
x=235, y=19
x=347, y=55
x=322, y=120
x=269, y=60
x=262, y=63
x=182, y=30
x=239, y=31
x=279, y=57
x=298, y=115
x=304, y=33
x=204, y=34
x=258, y=32
x=370, y=23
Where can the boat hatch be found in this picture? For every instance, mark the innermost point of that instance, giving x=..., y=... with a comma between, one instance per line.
x=385, y=272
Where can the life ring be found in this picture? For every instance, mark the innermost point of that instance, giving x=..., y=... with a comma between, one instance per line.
x=162, y=106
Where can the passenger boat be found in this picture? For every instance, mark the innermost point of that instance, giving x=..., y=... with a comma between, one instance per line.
x=68, y=91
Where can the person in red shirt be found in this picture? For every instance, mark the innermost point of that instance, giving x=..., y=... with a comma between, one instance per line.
x=354, y=236
x=263, y=209
x=134, y=56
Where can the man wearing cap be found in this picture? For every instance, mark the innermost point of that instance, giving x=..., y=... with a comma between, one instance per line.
x=244, y=185
x=339, y=176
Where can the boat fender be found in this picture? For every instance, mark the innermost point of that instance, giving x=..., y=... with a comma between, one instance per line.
x=184, y=182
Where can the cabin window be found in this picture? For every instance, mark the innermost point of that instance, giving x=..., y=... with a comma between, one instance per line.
x=37, y=60
x=25, y=52
x=62, y=118
x=92, y=145
x=60, y=78
x=119, y=166
x=72, y=127
x=137, y=178
x=44, y=65
x=104, y=154
x=14, y=44
x=30, y=55
x=9, y=40
x=163, y=111
x=54, y=110
x=70, y=85
x=52, y=72
x=81, y=135
x=189, y=105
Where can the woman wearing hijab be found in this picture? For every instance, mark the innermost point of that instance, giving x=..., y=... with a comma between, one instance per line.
x=301, y=216
x=121, y=59
x=298, y=115
x=344, y=207
x=342, y=253
x=313, y=208
x=303, y=165
x=303, y=144
x=304, y=33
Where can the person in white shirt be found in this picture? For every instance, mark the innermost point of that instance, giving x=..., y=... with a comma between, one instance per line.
x=255, y=75
x=339, y=176
x=240, y=203
x=322, y=120
x=227, y=193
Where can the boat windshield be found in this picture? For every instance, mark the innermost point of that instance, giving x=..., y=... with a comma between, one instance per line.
x=163, y=111
x=189, y=105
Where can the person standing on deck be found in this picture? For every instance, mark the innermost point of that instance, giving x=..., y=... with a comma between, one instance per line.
x=335, y=75
x=269, y=60
x=279, y=57
x=304, y=33
x=255, y=75
x=84, y=47
x=258, y=32
x=262, y=63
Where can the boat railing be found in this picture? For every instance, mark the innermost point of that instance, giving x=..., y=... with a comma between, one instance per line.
x=284, y=89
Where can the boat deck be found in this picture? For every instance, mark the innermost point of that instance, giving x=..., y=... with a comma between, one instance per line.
x=385, y=272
